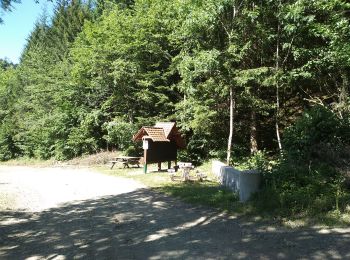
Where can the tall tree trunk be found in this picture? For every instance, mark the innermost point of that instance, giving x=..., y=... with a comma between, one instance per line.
x=253, y=136
x=277, y=118
x=131, y=116
x=277, y=83
x=229, y=142
x=343, y=93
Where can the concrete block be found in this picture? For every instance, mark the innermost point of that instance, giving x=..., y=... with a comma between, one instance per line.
x=230, y=178
x=249, y=184
x=216, y=167
x=245, y=183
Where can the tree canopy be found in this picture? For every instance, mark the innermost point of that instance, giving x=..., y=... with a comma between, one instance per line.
x=98, y=65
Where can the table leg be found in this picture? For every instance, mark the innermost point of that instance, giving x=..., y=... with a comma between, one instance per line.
x=112, y=165
x=186, y=174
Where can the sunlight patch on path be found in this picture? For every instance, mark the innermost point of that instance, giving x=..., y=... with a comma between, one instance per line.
x=37, y=189
x=173, y=231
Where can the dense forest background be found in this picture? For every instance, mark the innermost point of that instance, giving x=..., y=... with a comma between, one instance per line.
x=97, y=70
x=242, y=78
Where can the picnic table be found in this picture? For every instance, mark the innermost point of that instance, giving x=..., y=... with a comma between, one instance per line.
x=126, y=161
x=186, y=168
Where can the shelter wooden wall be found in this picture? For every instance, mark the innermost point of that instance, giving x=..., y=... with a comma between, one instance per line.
x=161, y=152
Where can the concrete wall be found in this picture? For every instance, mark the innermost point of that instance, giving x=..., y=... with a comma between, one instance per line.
x=249, y=184
x=216, y=167
x=243, y=182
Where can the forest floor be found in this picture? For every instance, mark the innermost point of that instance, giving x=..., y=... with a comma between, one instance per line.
x=66, y=213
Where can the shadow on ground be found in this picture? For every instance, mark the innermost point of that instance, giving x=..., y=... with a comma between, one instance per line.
x=148, y=225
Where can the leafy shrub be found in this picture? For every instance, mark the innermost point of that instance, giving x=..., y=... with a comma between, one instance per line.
x=84, y=138
x=119, y=133
x=133, y=150
x=298, y=188
x=318, y=135
x=196, y=150
x=79, y=142
x=8, y=147
x=308, y=177
x=258, y=161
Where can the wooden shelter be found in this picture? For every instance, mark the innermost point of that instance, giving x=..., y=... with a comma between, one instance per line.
x=160, y=143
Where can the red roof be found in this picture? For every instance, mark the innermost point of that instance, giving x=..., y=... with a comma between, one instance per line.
x=161, y=132
x=167, y=127
x=156, y=134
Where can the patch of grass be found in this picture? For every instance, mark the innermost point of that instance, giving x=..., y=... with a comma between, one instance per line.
x=263, y=206
x=204, y=193
x=99, y=158
x=208, y=192
x=334, y=218
x=25, y=161
x=151, y=179
x=89, y=160
x=321, y=220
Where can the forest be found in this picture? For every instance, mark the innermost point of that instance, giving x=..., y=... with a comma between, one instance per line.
x=264, y=83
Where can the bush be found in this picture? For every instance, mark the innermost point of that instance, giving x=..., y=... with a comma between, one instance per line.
x=301, y=189
x=308, y=176
x=8, y=146
x=119, y=133
x=258, y=161
x=318, y=135
x=134, y=150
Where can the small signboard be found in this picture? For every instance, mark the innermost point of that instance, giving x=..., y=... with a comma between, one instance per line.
x=145, y=144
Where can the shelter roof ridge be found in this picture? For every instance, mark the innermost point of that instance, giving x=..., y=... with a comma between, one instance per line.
x=156, y=134
x=161, y=132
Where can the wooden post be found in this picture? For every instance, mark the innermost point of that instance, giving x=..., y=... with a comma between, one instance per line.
x=159, y=166
x=145, y=160
x=169, y=164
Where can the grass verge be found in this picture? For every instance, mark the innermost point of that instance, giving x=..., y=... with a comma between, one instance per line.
x=209, y=193
x=24, y=161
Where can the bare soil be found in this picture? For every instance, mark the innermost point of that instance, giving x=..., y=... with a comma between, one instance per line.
x=62, y=213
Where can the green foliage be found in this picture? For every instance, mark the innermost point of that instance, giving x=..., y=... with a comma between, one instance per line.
x=93, y=74
x=310, y=175
x=86, y=137
x=144, y=61
x=8, y=146
x=134, y=150
x=120, y=133
x=293, y=189
x=208, y=194
x=319, y=135
x=258, y=161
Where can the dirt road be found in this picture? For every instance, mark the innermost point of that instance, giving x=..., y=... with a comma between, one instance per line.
x=54, y=213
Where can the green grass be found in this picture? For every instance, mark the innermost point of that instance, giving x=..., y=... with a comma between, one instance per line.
x=203, y=193
x=209, y=193
x=25, y=161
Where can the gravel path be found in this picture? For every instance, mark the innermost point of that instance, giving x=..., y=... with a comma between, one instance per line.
x=55, y=213
x=37, y=189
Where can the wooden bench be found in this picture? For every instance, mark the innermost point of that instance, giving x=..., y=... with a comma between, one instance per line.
x=126, y=161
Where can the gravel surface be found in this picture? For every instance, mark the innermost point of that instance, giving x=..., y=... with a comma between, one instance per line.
x=56, y=213
x=37, y=189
